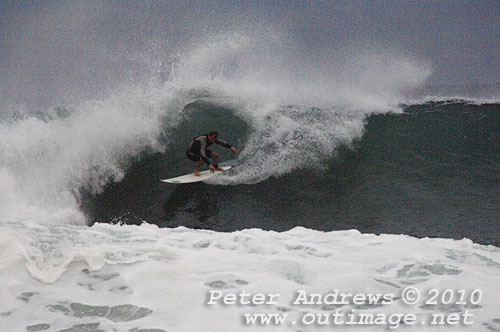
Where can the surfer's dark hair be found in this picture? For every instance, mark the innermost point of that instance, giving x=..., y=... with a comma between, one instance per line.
x=212, y=133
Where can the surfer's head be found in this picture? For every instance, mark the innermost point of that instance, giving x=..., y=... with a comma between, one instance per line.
x=212, y=136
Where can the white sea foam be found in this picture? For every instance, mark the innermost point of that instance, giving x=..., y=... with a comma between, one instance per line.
x=44, y=163
x=115, y=277
x=453, y=98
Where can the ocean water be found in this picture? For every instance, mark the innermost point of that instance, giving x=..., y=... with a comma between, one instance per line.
x=352, y=178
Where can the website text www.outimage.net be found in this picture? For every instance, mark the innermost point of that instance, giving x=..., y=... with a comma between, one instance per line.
x=355, y=309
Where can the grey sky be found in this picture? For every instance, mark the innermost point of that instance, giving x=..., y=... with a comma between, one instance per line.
x=85, y=40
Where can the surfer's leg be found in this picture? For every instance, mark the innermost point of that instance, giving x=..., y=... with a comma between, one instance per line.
x=197, y=170
x=215, y=157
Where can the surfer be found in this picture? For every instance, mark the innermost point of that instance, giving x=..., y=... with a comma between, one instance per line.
x=197, y=151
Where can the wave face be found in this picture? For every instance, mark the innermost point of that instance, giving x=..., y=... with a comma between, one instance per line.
x=350, y=143
x=431, y=170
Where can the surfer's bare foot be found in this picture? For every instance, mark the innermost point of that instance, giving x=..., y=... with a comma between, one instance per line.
x=197, y=172
x=219, y=169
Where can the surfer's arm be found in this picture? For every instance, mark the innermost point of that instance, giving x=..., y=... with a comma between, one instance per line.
x=223, y=143
x=227, y=145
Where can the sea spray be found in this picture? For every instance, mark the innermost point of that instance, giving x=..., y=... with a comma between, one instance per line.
x=299, y=110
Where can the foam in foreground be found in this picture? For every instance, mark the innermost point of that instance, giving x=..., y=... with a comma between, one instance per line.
x=143, y=278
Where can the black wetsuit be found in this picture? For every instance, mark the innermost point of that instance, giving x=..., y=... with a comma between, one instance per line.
x=198, y=148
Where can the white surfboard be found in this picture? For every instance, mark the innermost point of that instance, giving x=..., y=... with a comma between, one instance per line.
x=190, y=178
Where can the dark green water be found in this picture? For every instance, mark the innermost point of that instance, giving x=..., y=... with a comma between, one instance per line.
x=433, y=170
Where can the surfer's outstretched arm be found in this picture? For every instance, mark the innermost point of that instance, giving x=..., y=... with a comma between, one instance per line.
x=226, y=145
